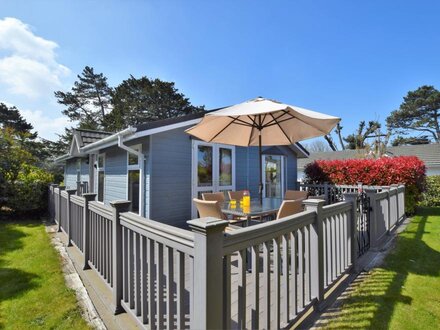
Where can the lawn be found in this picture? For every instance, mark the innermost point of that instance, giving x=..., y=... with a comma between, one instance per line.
x=32, y=290
x=405, y=292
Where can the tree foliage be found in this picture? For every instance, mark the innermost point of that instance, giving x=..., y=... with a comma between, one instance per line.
x=89, y=101
x=23, y=163
x=338, y=131
x=358, y=139
x=431, y=196
x=420, y=112
x=140, y=100
x=11, y=117
x=22, y=184
x=401, y=140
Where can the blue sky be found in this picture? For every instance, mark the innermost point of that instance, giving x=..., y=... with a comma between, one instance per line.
x=351, y=59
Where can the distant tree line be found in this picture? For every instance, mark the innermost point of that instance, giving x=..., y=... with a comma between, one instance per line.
x=416, y=121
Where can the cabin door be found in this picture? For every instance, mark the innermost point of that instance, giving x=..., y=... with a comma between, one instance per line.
x=213, y=167
x=273, y=176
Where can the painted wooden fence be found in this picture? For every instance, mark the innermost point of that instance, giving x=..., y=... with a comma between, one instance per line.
x=259, y=277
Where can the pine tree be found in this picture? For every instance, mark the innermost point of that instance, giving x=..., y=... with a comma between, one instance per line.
x=419, y=112
x=89, y=101
x=11, y=117
x=136, y=101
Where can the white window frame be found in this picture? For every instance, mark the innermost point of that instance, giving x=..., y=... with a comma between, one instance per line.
x=215, y=187
x=99, y=169
x=283, y=173
x=135, y=167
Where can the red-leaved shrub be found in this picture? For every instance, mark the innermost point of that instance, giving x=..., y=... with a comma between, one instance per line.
x=407, y=170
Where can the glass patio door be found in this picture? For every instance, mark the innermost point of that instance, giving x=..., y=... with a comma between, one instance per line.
x=213, y=169
x=273, y=176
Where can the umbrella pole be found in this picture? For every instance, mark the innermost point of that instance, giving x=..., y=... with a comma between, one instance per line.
x=260, y=187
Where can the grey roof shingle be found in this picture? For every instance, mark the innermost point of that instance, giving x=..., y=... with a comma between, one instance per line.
x=86, y=137
x=428, y=153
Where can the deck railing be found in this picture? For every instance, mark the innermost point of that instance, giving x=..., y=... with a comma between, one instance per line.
x=263, y=276
x=332, y=193
x=100, y=242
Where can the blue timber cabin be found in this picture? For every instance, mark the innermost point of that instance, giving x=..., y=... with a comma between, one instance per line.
x=160, y=168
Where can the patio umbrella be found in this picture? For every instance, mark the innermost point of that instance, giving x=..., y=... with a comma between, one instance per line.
x=262, y=122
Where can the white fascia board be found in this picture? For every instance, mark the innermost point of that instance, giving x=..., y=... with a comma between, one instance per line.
x=107, y=141
x=113, y=139
x=163, y=129
x=61, y=159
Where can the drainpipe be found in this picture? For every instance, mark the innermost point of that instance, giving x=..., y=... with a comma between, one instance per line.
x=141, y=157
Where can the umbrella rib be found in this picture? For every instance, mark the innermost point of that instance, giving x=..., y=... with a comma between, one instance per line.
x=264, y=118
x=239, y=121
x=280, y=121
x=253, y=121
x=250, y=136
x=288, y=139
x=221, y=131
x=273, y=121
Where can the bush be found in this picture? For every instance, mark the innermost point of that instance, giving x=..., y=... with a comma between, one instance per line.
x=29, y=191
x=431, y=196
x=385, y=171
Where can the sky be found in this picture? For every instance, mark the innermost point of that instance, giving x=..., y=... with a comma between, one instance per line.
x=351, y=59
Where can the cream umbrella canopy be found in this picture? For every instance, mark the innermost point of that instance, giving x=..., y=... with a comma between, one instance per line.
x=262, y=122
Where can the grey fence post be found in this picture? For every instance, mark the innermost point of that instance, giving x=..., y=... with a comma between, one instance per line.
x=78, y=187
x=118, y=207
x=327, y=193
x=352, y=198
x=52, y=201
x=69, y=216
x=403, y=201
x=371, y=194
x=316, y=250
x=208, y=273
x=396, y=187
x=60, y=188
x=86, y=228
x=389, y=208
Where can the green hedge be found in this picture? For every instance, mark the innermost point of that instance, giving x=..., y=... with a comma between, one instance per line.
x=431, y=196
x=29, y=192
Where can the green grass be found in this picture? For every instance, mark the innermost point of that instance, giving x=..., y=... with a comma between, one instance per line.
x=33, y=294
x=405, y=292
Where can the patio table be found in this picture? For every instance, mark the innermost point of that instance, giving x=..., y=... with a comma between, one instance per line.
x=267, y=207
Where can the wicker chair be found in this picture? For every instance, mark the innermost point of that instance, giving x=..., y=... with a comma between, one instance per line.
x=218, y=197
x=289, y=208
x=209, y=209
x=237, y=195
x=295, y=195
x=212, y=209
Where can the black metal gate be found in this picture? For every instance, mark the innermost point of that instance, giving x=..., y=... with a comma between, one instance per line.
x=363, y=223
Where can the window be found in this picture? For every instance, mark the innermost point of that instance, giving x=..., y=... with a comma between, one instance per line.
x=133, y=159
x=273, y=176
x=134, y=186
x=133, y=189
x=101, y=176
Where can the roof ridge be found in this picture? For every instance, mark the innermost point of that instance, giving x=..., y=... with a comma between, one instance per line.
x=92, y=131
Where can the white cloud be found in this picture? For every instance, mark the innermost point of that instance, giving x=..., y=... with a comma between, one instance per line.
x=46, y=127
x=29, y=66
